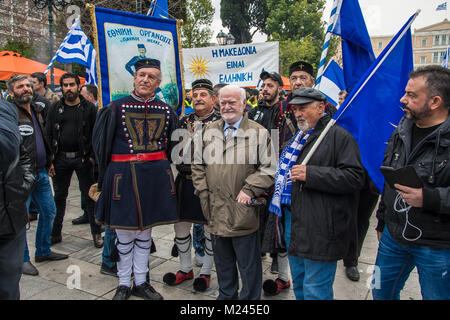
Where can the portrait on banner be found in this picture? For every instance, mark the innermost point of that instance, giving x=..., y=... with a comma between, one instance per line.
x=126, y=45
x=122, y=39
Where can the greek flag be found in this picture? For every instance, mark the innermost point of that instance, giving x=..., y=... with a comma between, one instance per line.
x=333, y=16
x=347, y=21
x=445, y=61
x=332, y=82
x=357, y=52
x=77, y=48
x=442, y=6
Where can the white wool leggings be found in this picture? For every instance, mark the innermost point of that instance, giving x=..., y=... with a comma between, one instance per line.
x=184, y=244
x=134, y=251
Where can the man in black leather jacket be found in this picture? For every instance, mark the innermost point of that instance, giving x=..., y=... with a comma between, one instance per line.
x=30, y=128
x=69, y=131
x=16, y=180
x=414, y=223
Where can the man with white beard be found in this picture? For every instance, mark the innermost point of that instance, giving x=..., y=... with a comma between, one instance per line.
x=319, y=200
x=226, y=185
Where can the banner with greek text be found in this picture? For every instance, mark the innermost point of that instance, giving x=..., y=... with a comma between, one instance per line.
x=239, y=64
x=121, y=39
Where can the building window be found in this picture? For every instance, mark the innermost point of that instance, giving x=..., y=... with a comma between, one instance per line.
x=424, y=42
x=435, y=57
x=380, y=45
x=441, y=58
x=436, y=40
x=423, y=59
x=444, y=39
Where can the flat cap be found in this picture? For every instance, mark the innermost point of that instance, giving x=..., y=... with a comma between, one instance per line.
x=202, y=84
x=272, y=75
x=306, y=95
x=301, y=66
x=147, y=63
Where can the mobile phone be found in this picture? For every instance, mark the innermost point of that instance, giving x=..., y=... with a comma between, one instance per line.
x=406, y=176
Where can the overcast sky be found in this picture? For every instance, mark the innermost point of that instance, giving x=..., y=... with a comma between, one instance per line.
x=383, y=17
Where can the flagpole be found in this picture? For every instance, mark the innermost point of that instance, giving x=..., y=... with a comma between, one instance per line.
x=91, y=9
x=152, y=4
x=333, y=17
x=333, y=121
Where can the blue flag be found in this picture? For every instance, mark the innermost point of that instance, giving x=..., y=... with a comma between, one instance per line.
x=332, y=82
x=159, y=9
x=373, y=109
x=445, y=60
x=357, y=52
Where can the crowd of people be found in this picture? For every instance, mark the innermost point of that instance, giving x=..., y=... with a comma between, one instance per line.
x=241, y=188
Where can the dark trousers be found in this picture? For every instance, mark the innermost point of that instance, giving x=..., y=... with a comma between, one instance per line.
x=243, y=253
x=368, y=199
x=83, y=205
x=64, y=168
x=11, y=260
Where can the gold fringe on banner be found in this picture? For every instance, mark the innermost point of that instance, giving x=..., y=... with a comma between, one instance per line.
x=91, y=9
x=180, y=56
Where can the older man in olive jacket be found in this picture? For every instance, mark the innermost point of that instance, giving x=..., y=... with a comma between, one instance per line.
x=234, y=167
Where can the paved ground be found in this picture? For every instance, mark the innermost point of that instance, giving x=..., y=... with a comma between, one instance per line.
x=58, y=280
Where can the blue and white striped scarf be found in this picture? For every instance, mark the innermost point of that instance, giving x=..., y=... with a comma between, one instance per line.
x=283, y=182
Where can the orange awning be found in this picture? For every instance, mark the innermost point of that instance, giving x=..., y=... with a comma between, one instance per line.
x=286, y=85
x=13, y=63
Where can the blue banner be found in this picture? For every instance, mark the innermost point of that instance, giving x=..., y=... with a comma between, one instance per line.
x=122, y=38
x=372, y=110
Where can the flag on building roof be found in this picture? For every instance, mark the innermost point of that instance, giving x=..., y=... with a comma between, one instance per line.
x=442, y=6
x=77, y=48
